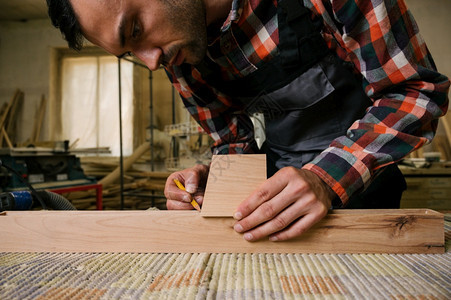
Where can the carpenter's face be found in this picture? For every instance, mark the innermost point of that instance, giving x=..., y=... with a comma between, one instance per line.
x=169, y=32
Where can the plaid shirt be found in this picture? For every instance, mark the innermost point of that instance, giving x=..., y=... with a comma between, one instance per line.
x=379, y=38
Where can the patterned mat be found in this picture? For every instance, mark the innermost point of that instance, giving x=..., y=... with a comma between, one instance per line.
x=226, y=276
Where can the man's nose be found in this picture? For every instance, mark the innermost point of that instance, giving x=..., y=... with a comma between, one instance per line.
x=152, y=58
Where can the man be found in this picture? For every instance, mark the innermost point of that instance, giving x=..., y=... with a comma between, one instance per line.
x=347, y=89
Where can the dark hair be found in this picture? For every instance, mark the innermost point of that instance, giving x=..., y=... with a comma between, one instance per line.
x=63, y=17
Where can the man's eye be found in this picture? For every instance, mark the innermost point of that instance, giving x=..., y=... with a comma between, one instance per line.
x=136, y=30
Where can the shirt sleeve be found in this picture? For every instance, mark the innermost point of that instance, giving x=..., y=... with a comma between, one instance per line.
x=382, y=41
x=225, y=121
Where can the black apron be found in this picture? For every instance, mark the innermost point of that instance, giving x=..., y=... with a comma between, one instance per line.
x=308, y=98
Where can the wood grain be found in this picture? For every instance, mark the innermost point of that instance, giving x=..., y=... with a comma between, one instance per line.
x=232, y=178
x=341, y=231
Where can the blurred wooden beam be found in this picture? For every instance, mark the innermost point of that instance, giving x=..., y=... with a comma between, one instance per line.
x=5, y=135
x=128, y=162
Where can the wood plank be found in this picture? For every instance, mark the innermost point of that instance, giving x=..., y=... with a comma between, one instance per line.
x=8, y=141
x=153, y=174
x=39, y=119
x=11, y=124
x=8, y=107
x=5, y=113
x=341, y=231
x=128, y=162
x=232, y=178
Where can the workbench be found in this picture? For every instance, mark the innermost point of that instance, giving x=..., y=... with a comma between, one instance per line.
x=427, y=187
x=226, y=276
x=349, y=254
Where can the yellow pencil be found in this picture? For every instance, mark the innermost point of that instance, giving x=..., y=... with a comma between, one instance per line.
x=193, y=202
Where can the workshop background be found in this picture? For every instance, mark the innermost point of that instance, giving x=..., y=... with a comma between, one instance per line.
x=60, y=126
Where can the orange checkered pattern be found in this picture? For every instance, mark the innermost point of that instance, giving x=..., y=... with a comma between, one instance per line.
x=380, y=39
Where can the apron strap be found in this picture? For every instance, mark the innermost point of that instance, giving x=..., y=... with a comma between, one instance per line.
x=302, y=43
x=301, y=46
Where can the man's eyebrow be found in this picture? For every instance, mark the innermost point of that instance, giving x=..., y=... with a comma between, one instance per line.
x=121, y=31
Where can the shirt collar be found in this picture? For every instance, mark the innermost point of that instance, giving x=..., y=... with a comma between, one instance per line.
x=234, y=14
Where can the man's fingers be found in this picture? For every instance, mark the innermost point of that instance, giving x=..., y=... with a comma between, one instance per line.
x=268, y=190
x=297, y=228
x=275, y=223
x=309, y=216
x=195, y=178
x=266, y=211
x=284, y=207
x=199, y=198
x=178, y=205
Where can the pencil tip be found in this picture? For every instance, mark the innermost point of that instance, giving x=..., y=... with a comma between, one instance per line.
x=195, y=205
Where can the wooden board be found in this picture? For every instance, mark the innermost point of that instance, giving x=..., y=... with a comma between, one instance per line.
x=342, y=231
x=232, y=178
x=128, y=162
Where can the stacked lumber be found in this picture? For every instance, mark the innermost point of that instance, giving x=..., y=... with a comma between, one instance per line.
x=38, y=120
x=137, y=195
x=141, y=192
x=9, y=113
x=141, y=189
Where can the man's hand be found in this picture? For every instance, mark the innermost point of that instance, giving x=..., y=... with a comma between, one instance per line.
x=194, y=179
x=284, y=206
